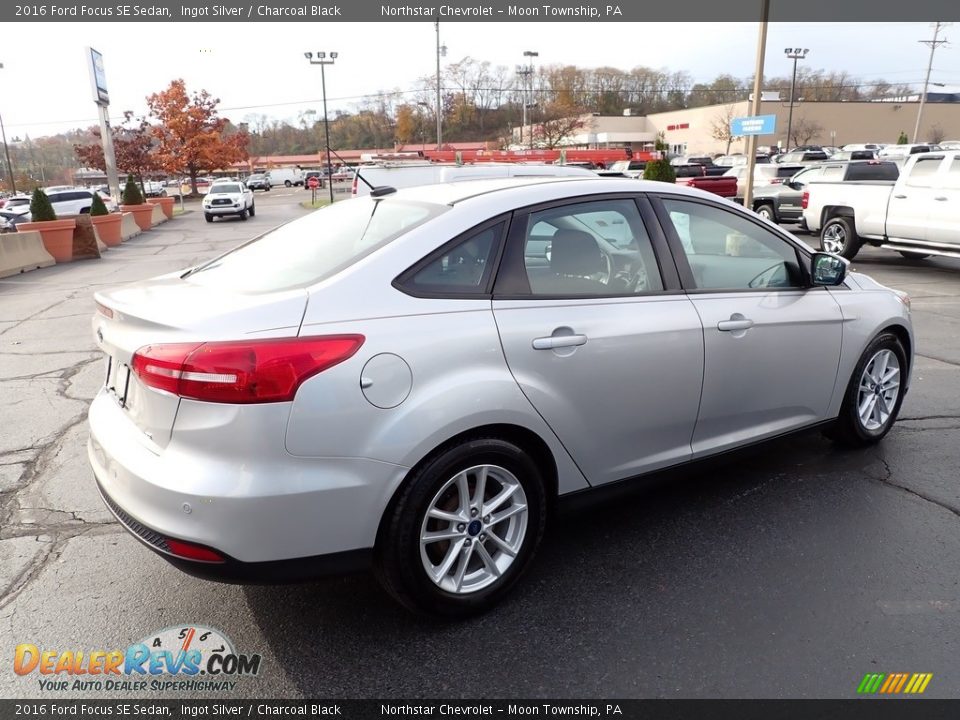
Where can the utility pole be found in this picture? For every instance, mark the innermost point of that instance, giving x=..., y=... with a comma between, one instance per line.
x=933, y=45
x=528, y=74
x=755, y=105
x=524, y=72
x=6, y=152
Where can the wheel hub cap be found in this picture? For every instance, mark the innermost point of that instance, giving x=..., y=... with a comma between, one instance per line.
x=473, y=529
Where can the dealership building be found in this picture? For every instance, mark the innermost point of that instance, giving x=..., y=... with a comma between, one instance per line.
x=695, y=130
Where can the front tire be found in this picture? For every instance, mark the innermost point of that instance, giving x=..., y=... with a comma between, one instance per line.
x=244, y=214
x=253, y=210
x=874, y=394
x=839, y=237
x=208, y=217
x=463, y=528
x=287, y=183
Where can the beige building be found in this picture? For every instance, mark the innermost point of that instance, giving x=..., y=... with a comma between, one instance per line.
x=693, y=131
x=814, y=123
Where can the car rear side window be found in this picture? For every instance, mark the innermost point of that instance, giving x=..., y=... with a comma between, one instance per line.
x=465, y=268
x=921, y=175
x=315, y=247
x=952, y=180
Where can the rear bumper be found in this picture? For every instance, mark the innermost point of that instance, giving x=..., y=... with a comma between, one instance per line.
x=232, y=487
x=247, y=573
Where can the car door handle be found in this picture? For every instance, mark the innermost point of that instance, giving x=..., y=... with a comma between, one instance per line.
x=900, y=197
x=941, y=198
x=734, y=324
x=559, y=341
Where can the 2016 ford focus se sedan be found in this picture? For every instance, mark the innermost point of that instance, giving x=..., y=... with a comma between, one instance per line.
x=410, y=380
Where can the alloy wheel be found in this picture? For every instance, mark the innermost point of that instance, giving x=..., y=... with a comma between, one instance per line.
x=473, y=529
x=879, y=389
x=834, y=239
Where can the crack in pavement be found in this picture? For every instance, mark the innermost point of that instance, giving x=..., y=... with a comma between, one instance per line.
x=888, y=480
x=18, y=323
x=939, y=359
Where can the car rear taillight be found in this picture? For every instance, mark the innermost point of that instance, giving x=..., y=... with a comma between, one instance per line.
x=241, y=371
x=805, y=201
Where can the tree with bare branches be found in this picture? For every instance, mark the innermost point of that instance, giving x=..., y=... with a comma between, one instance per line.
x=720, y=127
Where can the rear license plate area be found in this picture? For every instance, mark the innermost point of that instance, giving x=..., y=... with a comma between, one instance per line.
x=117, y=380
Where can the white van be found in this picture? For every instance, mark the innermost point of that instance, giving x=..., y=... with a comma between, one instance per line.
x=413, y=174
x=288, y=177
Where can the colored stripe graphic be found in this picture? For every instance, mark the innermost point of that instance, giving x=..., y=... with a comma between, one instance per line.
x=894, y=683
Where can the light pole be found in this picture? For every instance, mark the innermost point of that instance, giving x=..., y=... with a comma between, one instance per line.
x=322, y=61
x=794, y=54
x=6, y=152
x=441, y=51
x=527, y=73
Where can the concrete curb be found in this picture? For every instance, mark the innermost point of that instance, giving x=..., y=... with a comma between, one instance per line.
x=158, y=216
x=21, y=252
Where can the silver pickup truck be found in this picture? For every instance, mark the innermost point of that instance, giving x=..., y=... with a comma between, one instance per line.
x=916, y=215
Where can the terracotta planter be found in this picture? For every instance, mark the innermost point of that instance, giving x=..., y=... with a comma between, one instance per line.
x=166, y=203
x=57, y=236
x=108, y=228
x=141, y=214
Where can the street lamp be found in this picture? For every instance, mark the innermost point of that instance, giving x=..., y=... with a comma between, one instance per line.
x=6, y=152
x=441, y=51
x=793, y=54
x=322, y=61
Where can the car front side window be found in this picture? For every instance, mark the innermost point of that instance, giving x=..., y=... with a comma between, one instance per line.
x=594, y=249
x=728, y=252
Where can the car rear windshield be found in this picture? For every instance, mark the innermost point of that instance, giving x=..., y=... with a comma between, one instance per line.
x=873, y=171
x=314, y=248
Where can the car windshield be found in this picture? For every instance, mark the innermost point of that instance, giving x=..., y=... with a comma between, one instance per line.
x=226, y=188
x=315, y=247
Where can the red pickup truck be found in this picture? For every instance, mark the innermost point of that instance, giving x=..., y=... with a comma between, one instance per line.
x=696, y=176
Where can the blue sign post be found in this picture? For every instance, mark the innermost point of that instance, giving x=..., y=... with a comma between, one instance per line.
x=753, y=125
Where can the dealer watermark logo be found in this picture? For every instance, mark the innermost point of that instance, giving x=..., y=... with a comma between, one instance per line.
x=181, y=657
x=894, y=683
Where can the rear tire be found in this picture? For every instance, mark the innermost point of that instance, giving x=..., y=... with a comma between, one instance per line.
x=839, y=237
x=914, y=255
x=870, y=407
x=767, y=212
x=477, y=566
x=287, y=183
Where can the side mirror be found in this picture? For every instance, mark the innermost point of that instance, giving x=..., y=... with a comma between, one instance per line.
x=827, y=269
x=793, y=185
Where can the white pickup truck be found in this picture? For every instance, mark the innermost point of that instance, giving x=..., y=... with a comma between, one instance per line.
x=917, y=215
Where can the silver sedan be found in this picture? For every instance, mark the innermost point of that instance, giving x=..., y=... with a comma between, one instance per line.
x=410, y=380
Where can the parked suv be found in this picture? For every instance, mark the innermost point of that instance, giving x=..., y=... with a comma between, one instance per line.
x=70, y=201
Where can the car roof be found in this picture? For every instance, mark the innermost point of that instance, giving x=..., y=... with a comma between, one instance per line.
x=460, y=191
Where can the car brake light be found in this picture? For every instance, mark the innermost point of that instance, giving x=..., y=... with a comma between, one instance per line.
x=241, y=371
x=805, y=201
x=187, y=550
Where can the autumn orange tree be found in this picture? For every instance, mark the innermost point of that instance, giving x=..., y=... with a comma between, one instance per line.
x=133, y=146
x=191, y=137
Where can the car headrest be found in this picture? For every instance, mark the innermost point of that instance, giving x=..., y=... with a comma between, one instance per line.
x=575, y=252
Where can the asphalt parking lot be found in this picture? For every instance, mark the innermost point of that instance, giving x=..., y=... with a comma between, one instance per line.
x=791, y=572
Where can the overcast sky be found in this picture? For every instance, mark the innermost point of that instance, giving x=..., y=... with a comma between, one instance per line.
x=259, y=68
